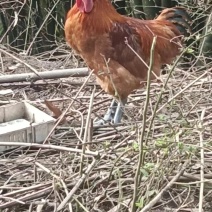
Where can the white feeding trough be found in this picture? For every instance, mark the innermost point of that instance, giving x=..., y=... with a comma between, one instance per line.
x=22, y=122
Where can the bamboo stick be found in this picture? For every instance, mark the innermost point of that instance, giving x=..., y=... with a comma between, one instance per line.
x=75, y=72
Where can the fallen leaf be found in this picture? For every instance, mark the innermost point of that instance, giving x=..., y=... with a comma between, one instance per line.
x=56, y=111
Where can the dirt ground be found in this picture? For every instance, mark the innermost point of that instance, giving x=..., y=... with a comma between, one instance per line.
x=170, y=144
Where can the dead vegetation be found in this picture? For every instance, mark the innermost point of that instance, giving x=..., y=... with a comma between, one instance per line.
x=172, y=139
x=174, y=148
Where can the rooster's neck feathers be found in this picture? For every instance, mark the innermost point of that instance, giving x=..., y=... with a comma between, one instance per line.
x=100, y=19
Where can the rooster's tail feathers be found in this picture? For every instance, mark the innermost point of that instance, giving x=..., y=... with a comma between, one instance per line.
x=179, y=17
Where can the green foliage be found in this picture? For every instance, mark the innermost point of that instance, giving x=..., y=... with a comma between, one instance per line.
x=147, y=169
x=140, y=203
x=135, y=146
x=162, y=142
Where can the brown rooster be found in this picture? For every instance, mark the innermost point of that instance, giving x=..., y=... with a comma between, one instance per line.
x=107, y=41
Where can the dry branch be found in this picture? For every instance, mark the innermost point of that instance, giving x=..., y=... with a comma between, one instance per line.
x=202, y=160
x=47, y=146
x=62, y=115
x=158, y=197
x=76, y=187
x=138, y=174
x=63, y=73
x=27, y=197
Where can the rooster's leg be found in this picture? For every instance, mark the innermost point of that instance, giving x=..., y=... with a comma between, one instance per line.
x=119, y=111
x=111, y=111
x=108, y=117
x=113, y=114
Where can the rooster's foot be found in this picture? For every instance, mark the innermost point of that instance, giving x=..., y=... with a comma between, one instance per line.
x=114, y=113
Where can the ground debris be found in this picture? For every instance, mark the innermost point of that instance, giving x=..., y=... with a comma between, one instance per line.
x=40, y=182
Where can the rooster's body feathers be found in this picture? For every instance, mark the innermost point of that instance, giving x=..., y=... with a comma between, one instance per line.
x=113, y=45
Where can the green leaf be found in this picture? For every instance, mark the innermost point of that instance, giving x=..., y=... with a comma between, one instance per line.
x=190, y=51
x=144, y=172
x=151, y=193
x=140, y=204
